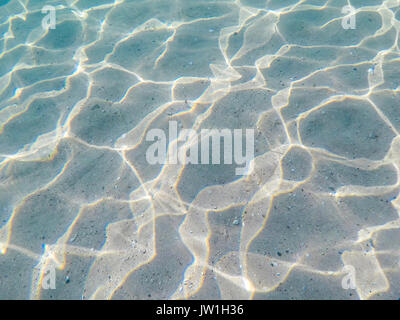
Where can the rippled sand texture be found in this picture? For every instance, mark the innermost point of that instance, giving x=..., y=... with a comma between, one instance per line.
x=77, y=193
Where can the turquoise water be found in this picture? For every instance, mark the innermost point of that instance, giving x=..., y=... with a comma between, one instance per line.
x=85, y=215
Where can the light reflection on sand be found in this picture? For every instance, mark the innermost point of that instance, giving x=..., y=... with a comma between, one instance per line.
x=75, y=106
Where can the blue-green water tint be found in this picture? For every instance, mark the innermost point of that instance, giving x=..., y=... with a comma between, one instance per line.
x=79, y=196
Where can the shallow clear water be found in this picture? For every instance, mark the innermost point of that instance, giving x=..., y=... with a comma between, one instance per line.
x=317, y=215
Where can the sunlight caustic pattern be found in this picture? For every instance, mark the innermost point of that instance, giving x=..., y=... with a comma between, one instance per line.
x=77, y=193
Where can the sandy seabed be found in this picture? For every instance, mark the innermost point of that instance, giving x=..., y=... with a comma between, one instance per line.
x=77, y=194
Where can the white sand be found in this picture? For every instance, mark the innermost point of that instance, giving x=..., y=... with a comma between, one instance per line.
x=76, y=103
